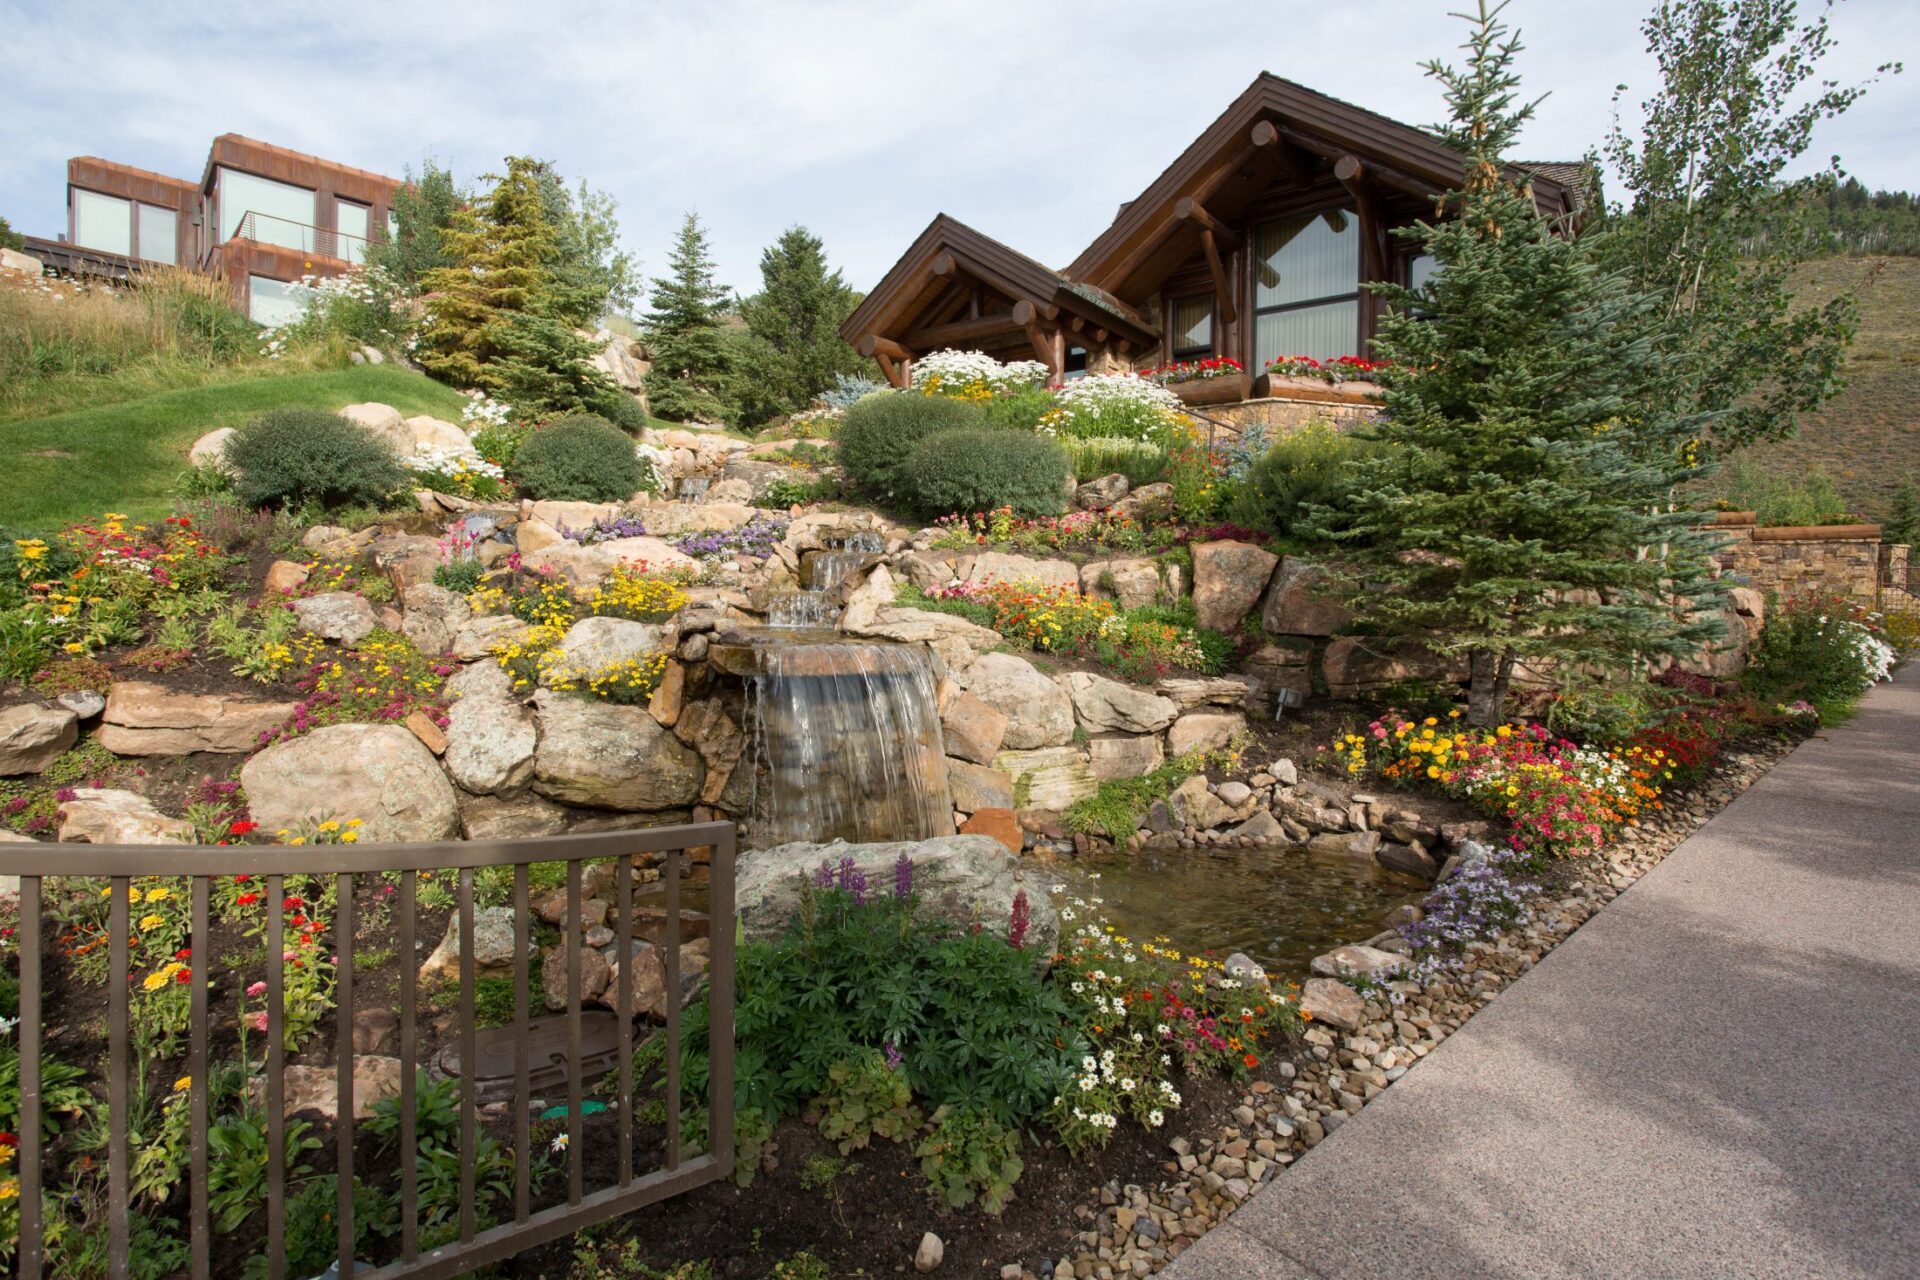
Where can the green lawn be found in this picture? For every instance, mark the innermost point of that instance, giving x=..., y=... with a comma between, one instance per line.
x=124, y=457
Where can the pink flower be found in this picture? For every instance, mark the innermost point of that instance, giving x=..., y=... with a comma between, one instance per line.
x=257, y=989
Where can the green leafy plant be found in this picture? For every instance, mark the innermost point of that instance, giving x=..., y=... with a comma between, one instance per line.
x=311, y=1235
x=237, y=1165
x=579, y=458
x=981, y=469
x=880, y=432
x=1301, y=468
x=865, y=1098
x=970, y=1156
x=294, y=457
x=460, y=576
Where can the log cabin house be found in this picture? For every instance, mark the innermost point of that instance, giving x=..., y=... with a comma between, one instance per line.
x=261, y=216
x=1253, y=244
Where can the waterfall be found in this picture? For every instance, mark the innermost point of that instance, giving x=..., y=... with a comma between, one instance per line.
x=846, y=745
x=822, y=572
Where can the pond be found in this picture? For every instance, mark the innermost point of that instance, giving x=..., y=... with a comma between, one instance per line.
x=1281, y=906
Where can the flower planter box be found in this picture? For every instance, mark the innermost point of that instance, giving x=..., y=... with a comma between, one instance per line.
x=1231, y=389
x=1279, y=387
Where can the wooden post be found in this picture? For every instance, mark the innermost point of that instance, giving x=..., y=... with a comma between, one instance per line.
x=885, y=351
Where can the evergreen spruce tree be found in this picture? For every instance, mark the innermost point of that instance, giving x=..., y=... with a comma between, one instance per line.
x=498, y=318
x=794, y=349
x=1902, y=524
x=1516, y=516
x=692, y=358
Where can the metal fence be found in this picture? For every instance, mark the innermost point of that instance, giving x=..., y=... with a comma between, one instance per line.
x=288, y=234
x=678, y=1169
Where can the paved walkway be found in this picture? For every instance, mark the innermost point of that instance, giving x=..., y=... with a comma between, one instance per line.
x=1718, y=1076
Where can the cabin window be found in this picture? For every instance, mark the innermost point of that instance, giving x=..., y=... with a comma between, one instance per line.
x=102, y=222
x=283, y=213
x=1421, y=268
x=1193, y=327
x=1306, y=287
x=1076, y=364
x=354, y=223
x=159, y=234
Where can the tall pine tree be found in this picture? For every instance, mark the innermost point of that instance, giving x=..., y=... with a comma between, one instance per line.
x=498, y=318
x=794, y=348
x=692, y=359
x=1517, y=519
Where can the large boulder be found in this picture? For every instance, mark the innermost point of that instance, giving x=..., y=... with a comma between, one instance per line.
x=105, y=815
x=343, y=616
x=1107, y=706
x=33, y=736
x=972, y=729
x=511, y=817
x=587, y=565
x=977, y=787
x=1048, y=778
x=676, y=519
x=1148, y=503
x=594, y=644
x=996, y=566
x=490, y=734
x=956, y=640
x=1100, y=493
x=211, y=448
x=1355, y=665
x=483, y=635
x=957, y=878
x=493, y=938
x=1124, y=756
x=379, y=773
x=147, y=719
x=1131, y=583
x=1039, y=712
x=607, y=756
x=434, y=617
x=1295, y=608
x=384, y=421
x=1204, y=731
x=1228, y=579
x=438, y=435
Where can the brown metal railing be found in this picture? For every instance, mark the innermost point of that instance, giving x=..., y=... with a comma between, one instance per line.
x=679, y=1170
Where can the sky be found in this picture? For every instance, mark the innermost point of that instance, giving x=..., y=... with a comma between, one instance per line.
x=1031, y=120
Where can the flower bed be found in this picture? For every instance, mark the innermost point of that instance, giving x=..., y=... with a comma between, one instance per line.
x=1138, y=644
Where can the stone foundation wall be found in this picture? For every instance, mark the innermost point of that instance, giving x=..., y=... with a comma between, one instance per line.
x=1280, y=415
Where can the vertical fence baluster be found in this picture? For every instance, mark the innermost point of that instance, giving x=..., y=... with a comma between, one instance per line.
x=671, y=994
x=720, y=957
x=409, y=1140
x=119, y=926
x=623, y=1006
x=199, y=1229
x=343, y=1080
x=276, y=1078
x=469, y=1139
x=29, y=1135
x=522, y=1091
x=570, y=948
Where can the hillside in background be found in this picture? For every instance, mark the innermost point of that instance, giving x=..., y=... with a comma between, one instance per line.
x=1867, y=438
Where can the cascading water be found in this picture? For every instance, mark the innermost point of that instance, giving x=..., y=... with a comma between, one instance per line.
x=815, y=605
x=846, y=745
x=693, y=489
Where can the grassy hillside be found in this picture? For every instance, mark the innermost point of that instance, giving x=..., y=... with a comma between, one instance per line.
x=123, y=457
x=1868, y=437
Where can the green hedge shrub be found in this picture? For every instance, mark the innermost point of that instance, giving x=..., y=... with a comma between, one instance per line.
x=295, y=457
x=1308, y=466
x=881, y=430
x=579, y=458
x=981, y=468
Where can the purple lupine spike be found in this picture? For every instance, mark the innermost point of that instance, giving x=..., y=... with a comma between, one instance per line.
x=903, y=877
x=893, y=1056
x=846, y=873
x=1017, y=923
x=857, y=885
x=824, y=876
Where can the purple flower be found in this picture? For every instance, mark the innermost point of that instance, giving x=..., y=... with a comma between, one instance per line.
x=65, y=794
x=893, y=1056
x=903, y=877
x=824, y=876
x=847, y=870
x=1017, y=924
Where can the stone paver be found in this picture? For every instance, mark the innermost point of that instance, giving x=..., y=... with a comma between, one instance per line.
x=1719, y=1075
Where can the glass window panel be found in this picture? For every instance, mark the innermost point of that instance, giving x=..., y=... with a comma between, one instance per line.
x=274, y=302
x=1321, y=332
x=102, y=222
x=1317, y=256
x=352, y=221
x=1076, y=364
x=1421, y=269
x=159, y=232
x=1192, y=325
x=285, y=212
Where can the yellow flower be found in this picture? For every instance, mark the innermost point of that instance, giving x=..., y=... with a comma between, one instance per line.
x=152, y=922
x=182, y=1084
x=329, y=825
x=350, y=837
x=9, y=1189
x=159, y=895
x=155, y=981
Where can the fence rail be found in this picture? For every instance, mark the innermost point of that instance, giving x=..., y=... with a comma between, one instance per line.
x=272, y=866
x=288, y=234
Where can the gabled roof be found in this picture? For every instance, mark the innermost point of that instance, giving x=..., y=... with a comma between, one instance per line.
x=993, y=262
x=1303, y=116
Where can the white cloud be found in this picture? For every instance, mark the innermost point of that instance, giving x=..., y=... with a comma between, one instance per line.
x=1031, y=120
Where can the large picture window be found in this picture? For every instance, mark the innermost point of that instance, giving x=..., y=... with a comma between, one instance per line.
x=159, y=234
x=285, y=212
x=102, y=222
x=354, y=223
x=1306, y=287
x=1193, y=327
x=274, y=302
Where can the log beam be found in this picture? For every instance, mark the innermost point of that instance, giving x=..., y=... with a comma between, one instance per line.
x=1294, y=165
x=1187, y=209
x=958, y=331
x=875, y=345
x=1352, y=175
x=896, y=375
x=944, y=264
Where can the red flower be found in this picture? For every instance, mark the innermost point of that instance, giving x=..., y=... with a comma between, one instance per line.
x=292, y=902
x=184, y=976
x=247, y=899
x=241, y=829
x=183, y=953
